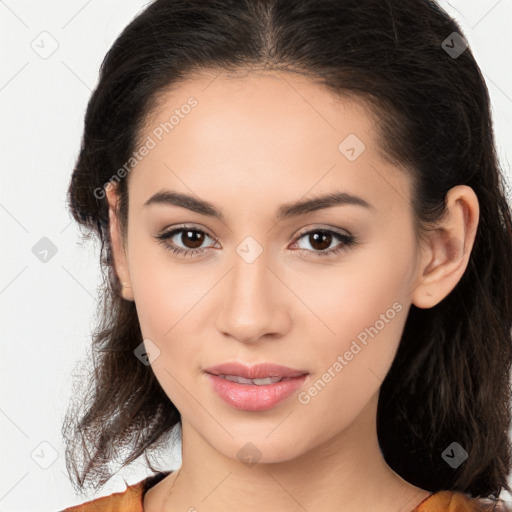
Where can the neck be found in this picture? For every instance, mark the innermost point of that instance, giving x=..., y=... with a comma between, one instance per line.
x=348, y=472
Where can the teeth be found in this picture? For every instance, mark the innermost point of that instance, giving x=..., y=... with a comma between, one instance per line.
x=258, y=382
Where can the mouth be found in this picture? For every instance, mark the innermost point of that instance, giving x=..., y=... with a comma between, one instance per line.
x=256, y=388
x=256, y=373
x=256, y=382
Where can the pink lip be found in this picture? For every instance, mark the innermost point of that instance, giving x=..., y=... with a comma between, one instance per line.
x=258, y=371
x=251, y=397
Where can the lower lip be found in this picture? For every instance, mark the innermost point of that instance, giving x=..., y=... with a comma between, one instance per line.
x=250, y=397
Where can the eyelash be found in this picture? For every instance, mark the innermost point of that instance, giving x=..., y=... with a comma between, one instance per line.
x=347, y=241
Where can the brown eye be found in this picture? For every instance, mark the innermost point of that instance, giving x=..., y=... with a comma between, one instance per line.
x=320, y=241
x=184, y=240
x=188, y=241
x=192, y=239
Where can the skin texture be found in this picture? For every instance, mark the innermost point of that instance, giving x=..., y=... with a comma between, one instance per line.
x=251, y=144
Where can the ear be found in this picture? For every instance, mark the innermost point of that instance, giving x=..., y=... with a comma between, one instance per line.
x=444, y=257
x=118, y=249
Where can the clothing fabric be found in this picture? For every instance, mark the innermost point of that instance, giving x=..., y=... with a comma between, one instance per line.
x=131, y=500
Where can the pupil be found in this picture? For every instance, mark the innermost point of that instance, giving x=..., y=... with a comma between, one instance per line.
x=323, y=237
x=196, y=239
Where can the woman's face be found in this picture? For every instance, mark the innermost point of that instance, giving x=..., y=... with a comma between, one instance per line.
x=257, y=287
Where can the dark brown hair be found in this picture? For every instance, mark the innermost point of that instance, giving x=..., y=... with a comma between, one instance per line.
x=450, y=380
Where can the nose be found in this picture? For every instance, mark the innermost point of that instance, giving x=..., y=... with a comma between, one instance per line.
x=254, y=302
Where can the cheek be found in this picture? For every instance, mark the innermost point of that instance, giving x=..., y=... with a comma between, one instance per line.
x=165, y=290
x=346, y=302
x=360, y=311
x=349, y=366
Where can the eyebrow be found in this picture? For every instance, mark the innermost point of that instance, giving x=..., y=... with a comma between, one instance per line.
x=285, y=211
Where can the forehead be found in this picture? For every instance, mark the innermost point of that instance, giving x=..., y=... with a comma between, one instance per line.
x=268, y=132
x=264, y=103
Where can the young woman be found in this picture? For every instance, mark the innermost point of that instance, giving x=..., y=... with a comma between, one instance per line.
x=309, y=262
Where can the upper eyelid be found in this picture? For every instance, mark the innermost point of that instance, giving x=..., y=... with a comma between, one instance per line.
x=178, y=229
x=320, y=228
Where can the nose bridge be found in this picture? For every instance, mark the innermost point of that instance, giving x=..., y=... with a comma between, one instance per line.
x=250, y=274
x=251, y=306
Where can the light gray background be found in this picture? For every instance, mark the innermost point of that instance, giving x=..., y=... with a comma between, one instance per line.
x=47, y=309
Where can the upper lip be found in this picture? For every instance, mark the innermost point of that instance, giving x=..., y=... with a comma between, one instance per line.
x=258, y=371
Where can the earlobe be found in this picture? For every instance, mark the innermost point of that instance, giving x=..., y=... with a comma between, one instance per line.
x=118, y=250
x=445, y=258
